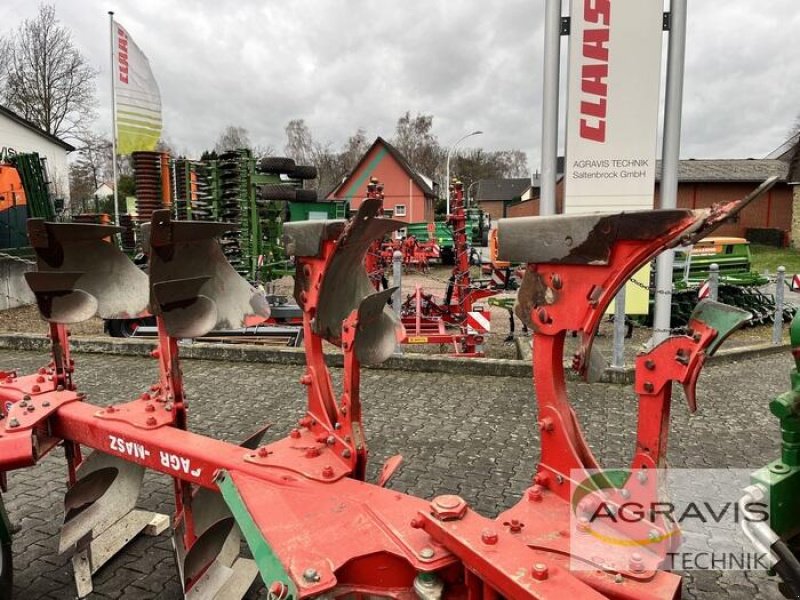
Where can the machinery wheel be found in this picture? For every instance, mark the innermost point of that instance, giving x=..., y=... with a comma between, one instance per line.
x=306, y=195
x=6, y=572
x=448, y=256
x=276, y=164
x=303, y=172
x=277, y=192
x=123, y=328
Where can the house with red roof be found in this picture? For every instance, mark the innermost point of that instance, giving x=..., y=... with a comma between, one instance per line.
x=408, y=195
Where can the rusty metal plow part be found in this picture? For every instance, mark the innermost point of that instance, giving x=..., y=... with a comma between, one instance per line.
x=100, y=517
x=586, y=242
x=588, y=239
x=211, y=566
x=345, y=286
x=195, y=289
x=80, y=273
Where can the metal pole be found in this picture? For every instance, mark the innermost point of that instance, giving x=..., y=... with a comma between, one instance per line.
x=113, y=117
x=397, y=281
x=552, y=66
x=618, y=359
x=470, y=197
x=447, y=169
x=673, y=108
x=713, y=281
x=777, y=326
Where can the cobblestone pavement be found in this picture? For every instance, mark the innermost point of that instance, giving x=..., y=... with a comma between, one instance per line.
x=466, y=435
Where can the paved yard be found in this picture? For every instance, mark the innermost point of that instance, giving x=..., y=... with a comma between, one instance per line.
x=467, y=435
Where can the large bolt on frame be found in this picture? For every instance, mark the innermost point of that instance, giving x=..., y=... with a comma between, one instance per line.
x=313, y=524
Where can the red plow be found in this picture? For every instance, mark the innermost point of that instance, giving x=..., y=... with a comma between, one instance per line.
x=313, y=525
x=455, y=319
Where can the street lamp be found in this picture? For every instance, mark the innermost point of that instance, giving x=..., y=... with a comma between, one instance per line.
x=470, y=199
x=449, y=152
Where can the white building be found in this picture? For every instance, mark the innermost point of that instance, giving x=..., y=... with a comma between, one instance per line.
x=18, y=135
x=106, y=190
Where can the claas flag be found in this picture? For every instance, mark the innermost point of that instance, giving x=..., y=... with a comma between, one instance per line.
x=138, y=100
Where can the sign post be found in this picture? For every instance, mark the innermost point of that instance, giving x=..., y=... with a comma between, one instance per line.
x=613, y=92
x=614, y=79
x=673, y=108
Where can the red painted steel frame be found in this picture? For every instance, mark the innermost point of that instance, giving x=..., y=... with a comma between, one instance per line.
x=374, y=261
x=425, y=319
x=361, y=537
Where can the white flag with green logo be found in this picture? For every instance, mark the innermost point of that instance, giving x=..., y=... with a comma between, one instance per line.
x=138, y=115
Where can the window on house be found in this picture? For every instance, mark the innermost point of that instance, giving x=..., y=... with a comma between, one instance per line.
x=399, y=210
x=388, y=212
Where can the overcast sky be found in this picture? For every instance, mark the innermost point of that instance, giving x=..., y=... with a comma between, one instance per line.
x=472, y=64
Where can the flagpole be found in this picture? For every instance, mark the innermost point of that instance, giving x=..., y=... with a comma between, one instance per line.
x=113, y=117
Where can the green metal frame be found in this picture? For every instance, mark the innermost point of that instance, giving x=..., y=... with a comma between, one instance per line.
x=32, y=174
x=260, y=222
x=270, y=567
x=781, y=477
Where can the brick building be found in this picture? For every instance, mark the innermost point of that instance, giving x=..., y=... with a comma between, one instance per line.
x=409, y=196
x=495, y=195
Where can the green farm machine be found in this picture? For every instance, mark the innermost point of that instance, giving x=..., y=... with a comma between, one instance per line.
x=739, y=285
x=777, y=485
x=258, y=196
x=25, y=192
x=441, y=233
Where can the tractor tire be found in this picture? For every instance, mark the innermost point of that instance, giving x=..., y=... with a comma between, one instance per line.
x=276, y=164
x=123, y=328
x=277, y=192
x=303, y=172
x=6, y=556
x=6, y=572
x=448, y=256
x=306, y=195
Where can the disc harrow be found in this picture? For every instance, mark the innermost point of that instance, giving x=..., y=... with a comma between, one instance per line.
x=315, y=527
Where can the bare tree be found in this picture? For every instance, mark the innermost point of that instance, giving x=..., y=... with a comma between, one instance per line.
x=81, y=188
x=263, y=150
x=299, y=143
x=331, y=165
x=95, y=156
x=514, y=163
x=232, y=138
x=353, y=150
x=415, y=140
x=44, y=77
x=90, y=170
x=4, y=50
x=474, y=164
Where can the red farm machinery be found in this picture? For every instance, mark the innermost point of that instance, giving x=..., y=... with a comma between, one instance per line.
x=314, y=526
x=456, y=319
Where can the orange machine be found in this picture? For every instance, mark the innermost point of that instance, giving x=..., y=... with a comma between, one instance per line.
x=13, y=208
x=11, y=192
